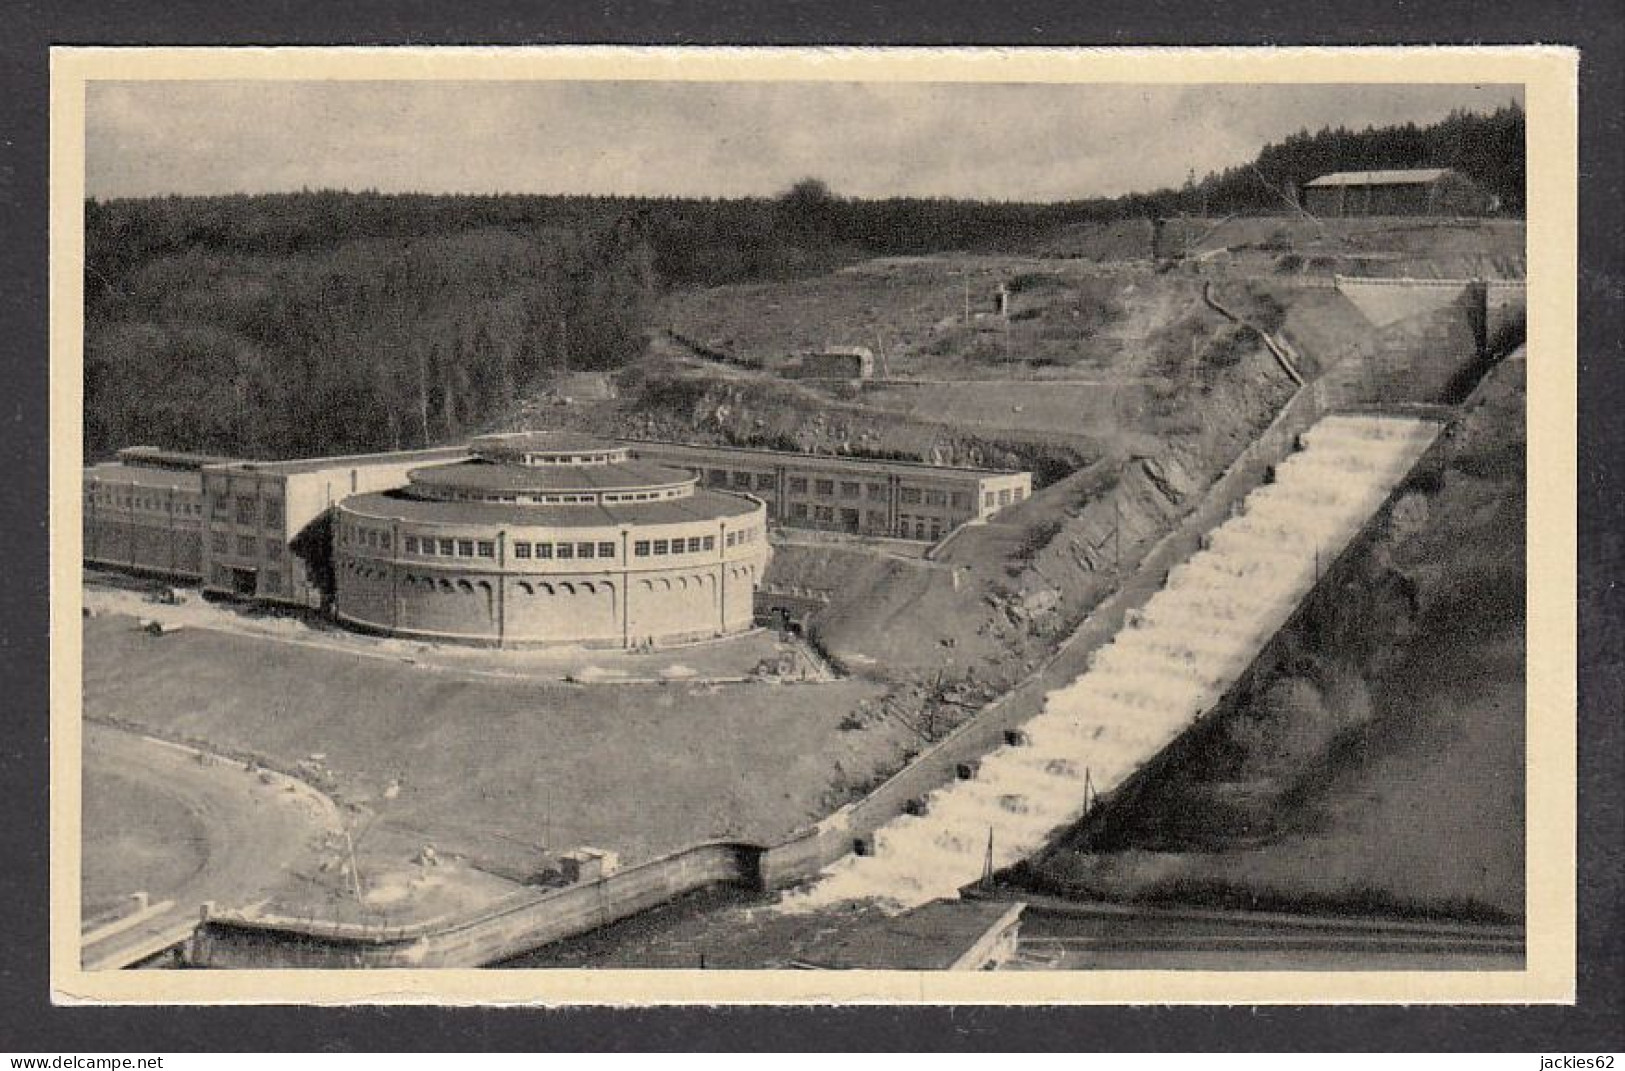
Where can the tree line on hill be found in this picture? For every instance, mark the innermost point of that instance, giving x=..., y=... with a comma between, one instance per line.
x=326, y=321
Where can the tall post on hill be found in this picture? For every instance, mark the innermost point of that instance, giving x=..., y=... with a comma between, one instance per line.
x=987, y=863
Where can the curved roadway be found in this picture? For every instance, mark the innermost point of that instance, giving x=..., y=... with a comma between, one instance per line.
x=245, y=835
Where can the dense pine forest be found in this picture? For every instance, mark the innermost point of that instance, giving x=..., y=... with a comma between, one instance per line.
x=326, y=322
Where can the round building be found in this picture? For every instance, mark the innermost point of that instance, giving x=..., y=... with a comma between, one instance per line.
x=549, y=538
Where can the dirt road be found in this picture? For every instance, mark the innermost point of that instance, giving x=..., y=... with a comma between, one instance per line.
x=159, y=819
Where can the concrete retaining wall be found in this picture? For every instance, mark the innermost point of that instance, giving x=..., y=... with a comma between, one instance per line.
x=527, y=921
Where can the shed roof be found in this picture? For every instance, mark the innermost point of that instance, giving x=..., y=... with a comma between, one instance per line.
x=297, y=466
x=934, y=936
x=1397, y=177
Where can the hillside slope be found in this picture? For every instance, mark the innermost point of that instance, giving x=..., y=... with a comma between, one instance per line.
x=1398, y=729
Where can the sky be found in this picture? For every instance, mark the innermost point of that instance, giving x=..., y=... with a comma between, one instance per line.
x=1003, y=141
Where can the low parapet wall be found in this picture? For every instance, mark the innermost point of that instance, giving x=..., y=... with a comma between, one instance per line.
x=524, y=922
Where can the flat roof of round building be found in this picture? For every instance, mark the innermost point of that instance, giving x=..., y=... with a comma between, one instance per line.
x=486, y=477
x=702, y=505
x=543, y=442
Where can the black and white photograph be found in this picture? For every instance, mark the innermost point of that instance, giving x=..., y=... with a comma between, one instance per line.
x=669, y=530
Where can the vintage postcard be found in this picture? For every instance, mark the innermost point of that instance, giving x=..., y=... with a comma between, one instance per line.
x=628, y=526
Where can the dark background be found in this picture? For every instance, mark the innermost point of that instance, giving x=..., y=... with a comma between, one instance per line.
x=29, y=1023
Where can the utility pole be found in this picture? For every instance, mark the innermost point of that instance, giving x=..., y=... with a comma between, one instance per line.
x=355, y=871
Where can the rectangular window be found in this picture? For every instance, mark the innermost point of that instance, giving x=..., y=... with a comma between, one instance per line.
x=273, y=548
x=640, y=549
x=959, y=500
x=716, y=477
x=849, y=520
x=273, y=511
x=566, y=550
x=544, y=550
x=936, y=498
x=733, y=538
x=798, y=485
x=765, y=481
x=487, y=549
x=383, y=540
x=849, y=489
x=987, y=500
x=447, y=548
x=606, y=550
x=1004, y=497
x=694, y=544
x=411, y=543
x=709, y=543
x=824, y=514
x=824, y=487
x=219, y=504
x=521, y=550
x=585, y=550
x=247, y=510
x=465, y=548
x=909, y=496
x=217, y=540
x=877, y=521
x=1016, y=494
x=273, y=582
x=877, y=492
x=660, y=546
x=245, y=546
x=742, y=480
x=798, y=511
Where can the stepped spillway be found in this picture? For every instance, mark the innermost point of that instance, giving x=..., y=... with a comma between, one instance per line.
x=1172, y=660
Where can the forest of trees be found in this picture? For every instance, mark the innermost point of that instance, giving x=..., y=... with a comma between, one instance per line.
x=327, y=321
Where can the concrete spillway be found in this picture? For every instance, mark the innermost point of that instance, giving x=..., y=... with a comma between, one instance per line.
x=1172, y=660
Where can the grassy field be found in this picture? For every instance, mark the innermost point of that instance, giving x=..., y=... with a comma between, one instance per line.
x=496, y=770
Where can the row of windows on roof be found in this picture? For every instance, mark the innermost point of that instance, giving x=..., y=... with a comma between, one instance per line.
x=557, y=499
x=485, y=548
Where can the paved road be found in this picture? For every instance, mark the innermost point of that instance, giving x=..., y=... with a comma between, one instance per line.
x=251, y=833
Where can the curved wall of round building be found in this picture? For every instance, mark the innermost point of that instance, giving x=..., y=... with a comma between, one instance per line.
x=522, y=587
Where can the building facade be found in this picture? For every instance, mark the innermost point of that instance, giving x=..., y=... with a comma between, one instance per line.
x=527, y=539
x=144, y=512
x=545, y=538
x=897, y=499
x=1416, y=192
x=268, y=524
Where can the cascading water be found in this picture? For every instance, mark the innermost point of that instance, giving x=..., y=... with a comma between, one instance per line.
x=1173, y=659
